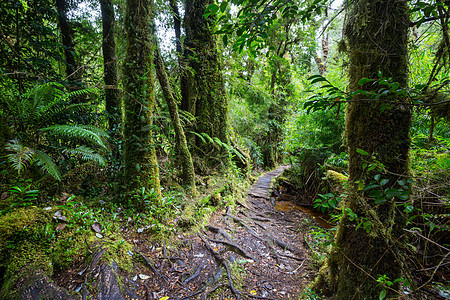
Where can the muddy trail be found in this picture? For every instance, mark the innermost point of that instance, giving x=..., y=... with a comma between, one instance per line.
x=254, y=252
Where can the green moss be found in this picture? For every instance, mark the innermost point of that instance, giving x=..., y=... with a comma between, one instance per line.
x=22, y=264
x=118, y=251
x=20, y=225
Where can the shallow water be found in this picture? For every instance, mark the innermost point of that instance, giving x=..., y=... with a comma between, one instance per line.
x=320, y=218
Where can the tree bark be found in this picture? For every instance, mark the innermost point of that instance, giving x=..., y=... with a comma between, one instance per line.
x=72, y=72
x=203, y=91
x=182, y=147
x=376, y=33
x=141, y=166
x=112, y=94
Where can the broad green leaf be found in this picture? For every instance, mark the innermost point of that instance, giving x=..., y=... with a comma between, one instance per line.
x=362, y=152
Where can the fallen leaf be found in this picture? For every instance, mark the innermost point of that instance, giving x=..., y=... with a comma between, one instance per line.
x=60, y=227
x=143, y=276
x=253, y=292
x=164, y=298
x=96, y=227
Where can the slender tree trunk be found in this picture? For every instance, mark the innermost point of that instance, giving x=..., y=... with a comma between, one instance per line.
x=72, y=72
x=141, y=166
x=112, y=95
x=182, y=147
x=177, y=26
x=204, y=91
x=377, y=37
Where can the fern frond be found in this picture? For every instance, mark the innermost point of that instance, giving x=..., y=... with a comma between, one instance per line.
x=199, y=136
x=208, y=137
x=50, y=112
x=21, y=156
x=98, y=131
x=76, y=131
x=79, y=93
x=86, y=153
x=47, y=164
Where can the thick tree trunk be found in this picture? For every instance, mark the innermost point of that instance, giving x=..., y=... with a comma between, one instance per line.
x=72, y=72
x=141, y=166
x=377, y=37
x=182, y=147
x=204, y=91
x=112, y=95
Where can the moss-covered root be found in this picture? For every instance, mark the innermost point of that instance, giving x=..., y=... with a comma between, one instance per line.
x=28, y=274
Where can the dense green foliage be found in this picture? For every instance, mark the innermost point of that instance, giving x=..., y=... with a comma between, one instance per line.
x=251, y=84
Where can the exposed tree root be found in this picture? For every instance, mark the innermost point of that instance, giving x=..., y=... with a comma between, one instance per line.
x=222, y=261
x=149, y=263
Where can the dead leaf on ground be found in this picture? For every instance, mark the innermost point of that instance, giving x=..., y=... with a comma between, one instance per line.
x=96, y=227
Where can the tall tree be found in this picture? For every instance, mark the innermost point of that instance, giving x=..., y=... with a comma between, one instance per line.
x=72, y=72
x=377, y=132
x=203, y=90
x=141, y=166
x=112, y=95
x=182, y=146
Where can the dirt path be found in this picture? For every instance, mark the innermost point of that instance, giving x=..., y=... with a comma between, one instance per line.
x=252, y=252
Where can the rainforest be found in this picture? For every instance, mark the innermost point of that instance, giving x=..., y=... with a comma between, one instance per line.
x=238, y=149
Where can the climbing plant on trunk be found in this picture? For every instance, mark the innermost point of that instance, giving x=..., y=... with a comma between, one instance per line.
x=203, y=91
x=141, y=167
x=377, y=137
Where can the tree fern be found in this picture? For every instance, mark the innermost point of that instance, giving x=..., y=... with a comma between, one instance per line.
x=47, y=164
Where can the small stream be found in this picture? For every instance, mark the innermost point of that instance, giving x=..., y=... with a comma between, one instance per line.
x=320, y=218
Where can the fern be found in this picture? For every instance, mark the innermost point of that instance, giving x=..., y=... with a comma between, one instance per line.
x=86, y=153
x=21, y=155
x=47, y=164
x=76, y=131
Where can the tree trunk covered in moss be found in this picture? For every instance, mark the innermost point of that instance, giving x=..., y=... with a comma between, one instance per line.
x=203, y=89
x=182, y=147
x=141, y=166
x=376, y=33
x=112, y=95
x=67, y=40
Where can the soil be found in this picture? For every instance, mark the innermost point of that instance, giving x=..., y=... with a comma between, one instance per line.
x=253, y=252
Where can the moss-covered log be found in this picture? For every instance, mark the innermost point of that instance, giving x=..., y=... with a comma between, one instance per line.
x=376, y=33
x=203, y=89
x=141, y=167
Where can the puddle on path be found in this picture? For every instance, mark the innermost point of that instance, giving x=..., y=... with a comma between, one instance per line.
x=320, y=218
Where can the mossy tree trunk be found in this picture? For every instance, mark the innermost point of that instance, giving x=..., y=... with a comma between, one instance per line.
x=203, y=90
x=141, y=166
x=72, y=72
x=376, y=33
x=112, y=95
x=182, y=146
